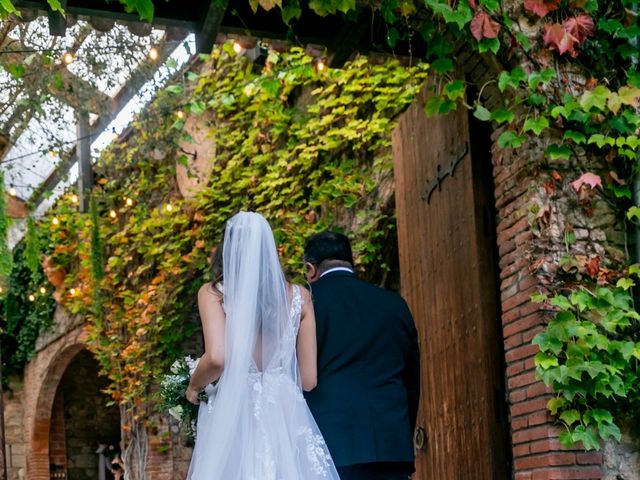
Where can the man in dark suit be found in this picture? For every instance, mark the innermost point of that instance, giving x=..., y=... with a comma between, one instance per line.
x=368, y=389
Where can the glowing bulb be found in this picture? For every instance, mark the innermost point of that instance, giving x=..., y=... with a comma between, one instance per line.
x=320, y=65
x=55, y=220
x=68, y=58
x=113, y=214
x=114, y=135
x=12, y=192
x=74, y=198
x=129, y=202
x=237, y=48
x=153, y=53
x=180, y=114
x=72, y=291
x=52, y=154
x=1, y=289
x=43, y=290
x=169, y=207
x=32, y=298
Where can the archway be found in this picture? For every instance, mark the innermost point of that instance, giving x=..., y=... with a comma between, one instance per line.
x=82, y=421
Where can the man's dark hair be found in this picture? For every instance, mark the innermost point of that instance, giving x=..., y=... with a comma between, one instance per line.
x=327, y=246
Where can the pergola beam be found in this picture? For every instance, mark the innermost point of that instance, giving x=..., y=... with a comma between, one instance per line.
x=209, y=27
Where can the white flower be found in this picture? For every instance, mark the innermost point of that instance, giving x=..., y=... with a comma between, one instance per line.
x=176, y=412
x=175, y=367
x=191, y=363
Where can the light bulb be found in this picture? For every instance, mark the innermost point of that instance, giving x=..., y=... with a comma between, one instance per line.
x=153, y=53
x=169, y=207
x=74, y=198
x=114, y=135
x=32, y=298
x=52, y=154
x=72, y=291
x=13, y=192
x=320, y=65
x=113, y=214
x=180, y=114
x=55, y=220
x=1, y=289
x=237, y=48
x=129, y=202
x=43, y=290
x=68, y=58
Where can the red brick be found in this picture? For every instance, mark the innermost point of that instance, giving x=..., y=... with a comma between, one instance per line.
x=576, y=473
x=538, y=418
x=521, y=325
x=544, y=460
x=520, y=353
x=530, y=434
x=529, y=335
x=590, y=458
x=519, y=423
x=517, y=395
x=529, y=406
x=523, y=476
x=521, y=450
x=515, y=368
x=513, y=341
x=537, y=389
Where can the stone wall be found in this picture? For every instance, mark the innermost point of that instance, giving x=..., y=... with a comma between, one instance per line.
x=14, y=430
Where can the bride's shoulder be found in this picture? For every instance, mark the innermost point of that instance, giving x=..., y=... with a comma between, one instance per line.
x=209, y=292
x=304, y=293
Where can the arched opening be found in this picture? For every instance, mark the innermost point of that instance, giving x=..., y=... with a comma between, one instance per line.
x=82, y=423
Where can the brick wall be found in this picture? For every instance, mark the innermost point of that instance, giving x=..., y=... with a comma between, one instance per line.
x=536, y=450
x=57, y=438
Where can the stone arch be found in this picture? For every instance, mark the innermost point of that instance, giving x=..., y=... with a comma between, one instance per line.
x=42, y=377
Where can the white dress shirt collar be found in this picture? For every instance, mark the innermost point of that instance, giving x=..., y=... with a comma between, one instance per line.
x=336, y=269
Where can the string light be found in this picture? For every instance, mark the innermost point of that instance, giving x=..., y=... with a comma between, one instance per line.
x=320, y=65
x=72, y=291
x=43, y=290
x=52, y=154
x=129, y=202
x=74, y=198
x=55, y=220
x=13, y=192
x=114, y=134
x=169, y=207
x=113, y=214
x=68, y=58
x=180, y=114
x=153, y=53
x=1, y=289
x=32, y=297
x=237, y=47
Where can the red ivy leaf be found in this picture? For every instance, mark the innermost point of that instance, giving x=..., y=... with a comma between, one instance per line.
x=483, y=26
x=541, y=7
x=588, y=178
x=580, y=27
x=557, y=38
x=472, y=4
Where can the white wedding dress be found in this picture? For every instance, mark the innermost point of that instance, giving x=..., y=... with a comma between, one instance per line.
x=256, y=424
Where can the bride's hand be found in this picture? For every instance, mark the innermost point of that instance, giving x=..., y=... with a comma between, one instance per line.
x=192, y=395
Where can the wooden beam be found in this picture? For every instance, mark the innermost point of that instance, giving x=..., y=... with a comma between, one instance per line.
x=83, y=149
x=207, y=29
x=346, y=42
x=138, y=78
x=57, y=22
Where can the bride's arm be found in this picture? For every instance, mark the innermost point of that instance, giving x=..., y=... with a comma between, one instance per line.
x=211, y=363
x=307, y=347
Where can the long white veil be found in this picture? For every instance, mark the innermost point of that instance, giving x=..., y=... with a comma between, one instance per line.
x=257, y=425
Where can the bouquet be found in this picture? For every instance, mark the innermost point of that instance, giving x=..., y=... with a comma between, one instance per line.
x=173, y=388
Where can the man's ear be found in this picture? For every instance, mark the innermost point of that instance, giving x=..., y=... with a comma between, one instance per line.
x=311, y=272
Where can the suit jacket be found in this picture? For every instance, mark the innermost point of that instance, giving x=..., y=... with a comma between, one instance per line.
x=367, y=395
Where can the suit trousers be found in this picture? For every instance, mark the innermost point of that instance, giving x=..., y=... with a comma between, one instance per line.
x=376, y=471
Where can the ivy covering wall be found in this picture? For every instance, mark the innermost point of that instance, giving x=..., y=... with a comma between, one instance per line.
x=308, y=148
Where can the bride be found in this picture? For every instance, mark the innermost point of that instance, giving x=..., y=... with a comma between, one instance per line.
x=260, y=342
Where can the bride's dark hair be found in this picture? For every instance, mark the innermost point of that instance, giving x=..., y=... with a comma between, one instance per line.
x=217, y=276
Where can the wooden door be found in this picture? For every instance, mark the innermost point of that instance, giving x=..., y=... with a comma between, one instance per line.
x=446, y=241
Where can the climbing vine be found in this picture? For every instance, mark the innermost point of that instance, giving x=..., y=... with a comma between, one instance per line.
x=309, y=148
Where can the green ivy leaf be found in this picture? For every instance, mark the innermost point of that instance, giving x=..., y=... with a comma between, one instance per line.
x=442, y=65
x=454, y=89
x=633, y=213
x=595, y=98
x=555, y=404
x=537, y=78
x=545, y=361
x=510, y=139
x=558, y=151
x=502, y=115
x=482, y=114
x=489, y=45
x=56, y=6
x=570, y=416
x=144, y=8
x=577, y=137
x=524, y=41
x=625, y=283
x=535, y=125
